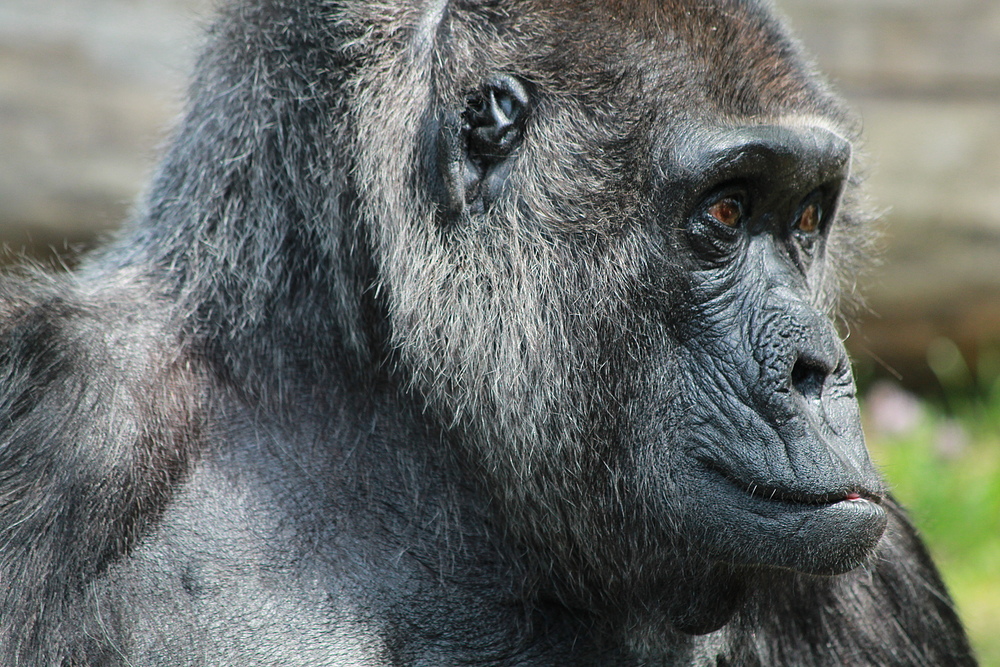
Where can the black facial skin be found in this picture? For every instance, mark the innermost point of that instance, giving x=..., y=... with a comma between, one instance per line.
x=465, y=333
x=763, y=365
x=807, y=485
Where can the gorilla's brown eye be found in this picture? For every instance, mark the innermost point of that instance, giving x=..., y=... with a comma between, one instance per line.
x=809, y=219
x=728, y=211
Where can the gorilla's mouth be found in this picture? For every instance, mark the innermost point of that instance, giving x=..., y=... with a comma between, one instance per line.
x=823, y=532
x=852, y=493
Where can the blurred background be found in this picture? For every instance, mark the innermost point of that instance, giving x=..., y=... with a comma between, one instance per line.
x=89, y=87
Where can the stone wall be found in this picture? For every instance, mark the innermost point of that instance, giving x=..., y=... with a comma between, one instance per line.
x=88, y=88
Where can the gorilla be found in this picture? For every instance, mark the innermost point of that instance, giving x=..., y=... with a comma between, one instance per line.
x=493, y=332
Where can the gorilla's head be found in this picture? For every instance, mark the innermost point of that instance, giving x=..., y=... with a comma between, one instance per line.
x=610, y=238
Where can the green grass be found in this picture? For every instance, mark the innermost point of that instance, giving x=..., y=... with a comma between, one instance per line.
x=946, y=470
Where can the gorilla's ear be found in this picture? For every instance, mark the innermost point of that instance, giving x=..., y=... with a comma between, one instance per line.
x=476, y=143
x=494, y=117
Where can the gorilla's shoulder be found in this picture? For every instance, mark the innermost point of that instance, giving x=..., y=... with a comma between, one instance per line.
x=94, y=389
x=76, y=362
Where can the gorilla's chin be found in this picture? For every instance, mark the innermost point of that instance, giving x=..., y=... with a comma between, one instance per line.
x=740, y=536
x=707, y=598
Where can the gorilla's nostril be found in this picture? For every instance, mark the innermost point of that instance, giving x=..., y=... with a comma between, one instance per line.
x=808, y=379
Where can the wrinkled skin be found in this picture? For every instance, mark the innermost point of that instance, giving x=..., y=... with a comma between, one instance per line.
x=458, y=333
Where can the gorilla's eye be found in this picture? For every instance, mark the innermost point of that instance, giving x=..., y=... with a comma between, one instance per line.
x=808, y=222
x=718, y=223
x=809, y=219
x=727, y=210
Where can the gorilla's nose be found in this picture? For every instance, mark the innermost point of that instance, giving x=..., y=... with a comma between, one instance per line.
x=808, y=376
x=820, y=386
x=818, y=359
x=805, y=361
x=806, y=387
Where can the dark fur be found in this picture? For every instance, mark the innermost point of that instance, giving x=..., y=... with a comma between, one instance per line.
x=322, y=402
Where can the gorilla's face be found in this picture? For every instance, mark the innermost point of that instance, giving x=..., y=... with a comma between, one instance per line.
x=775, y=468
x=610, y=264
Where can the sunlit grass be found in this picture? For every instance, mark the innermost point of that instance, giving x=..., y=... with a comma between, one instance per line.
x=943, y=463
